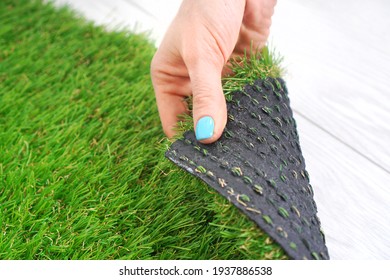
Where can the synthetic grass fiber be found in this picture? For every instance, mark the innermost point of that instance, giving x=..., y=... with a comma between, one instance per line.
x=82, y=167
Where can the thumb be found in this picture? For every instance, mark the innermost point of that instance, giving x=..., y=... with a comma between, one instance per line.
x=209, y=104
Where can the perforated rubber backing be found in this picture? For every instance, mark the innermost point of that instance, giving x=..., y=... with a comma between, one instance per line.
x=258, y=165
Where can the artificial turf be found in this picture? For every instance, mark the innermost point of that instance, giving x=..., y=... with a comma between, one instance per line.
x=82, y=167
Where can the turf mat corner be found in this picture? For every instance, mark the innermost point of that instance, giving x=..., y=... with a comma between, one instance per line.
x=257, y=165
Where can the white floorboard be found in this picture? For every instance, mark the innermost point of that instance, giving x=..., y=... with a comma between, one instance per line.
x=351, y=195
x=338, y=57
x=337, y=53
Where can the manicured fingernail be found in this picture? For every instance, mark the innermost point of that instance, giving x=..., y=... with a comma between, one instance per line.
x=204, y=128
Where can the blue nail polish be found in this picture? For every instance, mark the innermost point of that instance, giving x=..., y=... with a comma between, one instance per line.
x=204, y=128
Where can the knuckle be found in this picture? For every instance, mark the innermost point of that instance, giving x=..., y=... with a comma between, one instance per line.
x=154, y=64
x=203, y=98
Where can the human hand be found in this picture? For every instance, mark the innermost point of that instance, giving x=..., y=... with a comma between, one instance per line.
x=190, y=60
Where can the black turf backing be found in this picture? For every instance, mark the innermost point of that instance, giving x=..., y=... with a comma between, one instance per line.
x=258, y=165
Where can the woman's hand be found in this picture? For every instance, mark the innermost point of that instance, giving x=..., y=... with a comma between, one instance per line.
x=191, y=58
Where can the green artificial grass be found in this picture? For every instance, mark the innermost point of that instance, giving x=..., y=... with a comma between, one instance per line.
x=258, y=64
x=82, y=167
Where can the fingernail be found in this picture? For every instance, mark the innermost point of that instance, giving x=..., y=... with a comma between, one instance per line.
x=204, y=128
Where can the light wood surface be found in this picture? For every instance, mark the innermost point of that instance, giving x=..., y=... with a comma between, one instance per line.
x=337, y=53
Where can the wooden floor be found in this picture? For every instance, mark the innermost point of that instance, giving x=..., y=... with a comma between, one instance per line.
x=337, y=54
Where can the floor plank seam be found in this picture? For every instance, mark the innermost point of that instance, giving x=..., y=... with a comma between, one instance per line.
x=343, y=142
